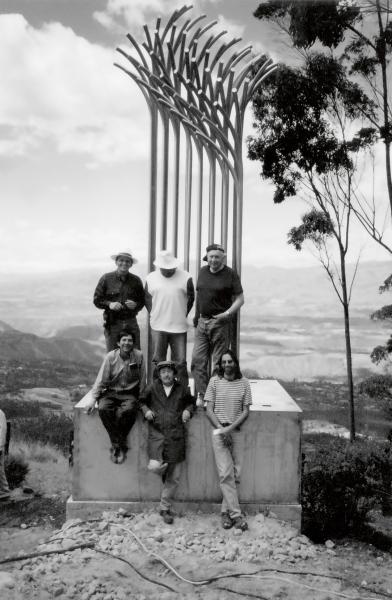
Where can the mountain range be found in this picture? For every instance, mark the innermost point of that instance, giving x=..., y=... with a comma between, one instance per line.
x=291, y=323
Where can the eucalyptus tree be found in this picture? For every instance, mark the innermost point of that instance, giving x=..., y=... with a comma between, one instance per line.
x=307, y=147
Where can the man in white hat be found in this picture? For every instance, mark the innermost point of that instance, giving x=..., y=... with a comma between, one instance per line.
x=169, y=296
x=121, y=295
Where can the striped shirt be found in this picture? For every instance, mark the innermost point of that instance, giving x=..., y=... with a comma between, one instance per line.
x=228, y=397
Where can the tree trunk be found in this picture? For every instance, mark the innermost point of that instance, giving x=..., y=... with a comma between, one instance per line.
x=386, y=130
x=350, y=382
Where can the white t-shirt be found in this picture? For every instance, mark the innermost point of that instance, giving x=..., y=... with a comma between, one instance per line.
x=169, y=301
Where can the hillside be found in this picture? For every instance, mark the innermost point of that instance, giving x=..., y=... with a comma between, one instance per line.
x=16, y=345
x=291, y=323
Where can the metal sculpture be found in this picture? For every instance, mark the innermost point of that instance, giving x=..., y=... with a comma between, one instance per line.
x=191, y=88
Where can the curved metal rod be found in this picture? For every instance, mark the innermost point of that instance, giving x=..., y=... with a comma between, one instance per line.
x=210, y=42
x=174, y=17
x=137, y=48
x=223, y=49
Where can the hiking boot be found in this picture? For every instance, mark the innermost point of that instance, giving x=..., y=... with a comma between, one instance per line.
x=240, y=523
x=226, y=521
x=166, y=516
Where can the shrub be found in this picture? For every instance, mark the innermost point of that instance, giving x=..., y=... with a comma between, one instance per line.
x=379, y=388
x=341, y=483
x=16, y=470
x=53, y=429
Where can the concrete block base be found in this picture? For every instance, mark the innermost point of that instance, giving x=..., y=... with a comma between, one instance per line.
x=91, y=509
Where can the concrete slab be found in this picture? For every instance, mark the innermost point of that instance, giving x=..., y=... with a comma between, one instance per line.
x=270, y=475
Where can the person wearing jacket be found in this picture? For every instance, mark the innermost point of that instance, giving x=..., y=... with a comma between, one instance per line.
x=167, y=406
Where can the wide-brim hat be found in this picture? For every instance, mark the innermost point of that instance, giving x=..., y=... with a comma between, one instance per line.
x=167, y=363
x=213, y=247
x=126, y=255
x=166, y=260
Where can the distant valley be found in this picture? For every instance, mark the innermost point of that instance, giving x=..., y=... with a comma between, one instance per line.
x=291, y=323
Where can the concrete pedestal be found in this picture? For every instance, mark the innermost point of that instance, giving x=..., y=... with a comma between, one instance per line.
x=270, y=476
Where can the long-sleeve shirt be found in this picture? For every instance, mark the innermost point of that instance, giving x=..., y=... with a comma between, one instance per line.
x=113, y=287
x=120, y=375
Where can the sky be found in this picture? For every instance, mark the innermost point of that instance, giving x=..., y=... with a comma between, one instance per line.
x=74, y=137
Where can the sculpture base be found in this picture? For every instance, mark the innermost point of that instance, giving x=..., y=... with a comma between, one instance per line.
x=91, y=509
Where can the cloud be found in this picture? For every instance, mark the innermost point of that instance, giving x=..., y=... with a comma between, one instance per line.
x=234, y=29
x=134, y=13
x=64, y=90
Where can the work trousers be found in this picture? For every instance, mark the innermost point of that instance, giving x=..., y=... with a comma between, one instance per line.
x=228, y=452
x=112, y=331
x=118, y=415
x=4, y=489
x=162, y=340
x=170, y=480
x=212, y=338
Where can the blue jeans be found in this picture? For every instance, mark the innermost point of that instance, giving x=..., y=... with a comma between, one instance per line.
x=177, y=342
x=211, y=340
x=118, y=415
x=170, y=483
x=228, y=453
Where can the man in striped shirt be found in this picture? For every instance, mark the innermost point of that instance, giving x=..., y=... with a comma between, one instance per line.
x=228, y=398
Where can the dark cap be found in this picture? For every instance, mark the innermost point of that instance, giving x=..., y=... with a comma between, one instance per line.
x=167, y=363
x=213, y=247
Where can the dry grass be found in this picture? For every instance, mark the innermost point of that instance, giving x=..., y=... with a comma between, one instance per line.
x=49, y=472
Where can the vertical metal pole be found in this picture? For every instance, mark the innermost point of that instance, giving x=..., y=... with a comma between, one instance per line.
x=165, y=179
x=177, y=140
x=199, y=149
x=188, y=200
x=152, y=217
x=225, y=207
x=211, y=212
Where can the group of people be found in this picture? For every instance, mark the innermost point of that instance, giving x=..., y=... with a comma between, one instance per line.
x=120, y=389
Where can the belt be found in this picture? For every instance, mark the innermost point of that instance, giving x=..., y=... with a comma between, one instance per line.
x=206, y=316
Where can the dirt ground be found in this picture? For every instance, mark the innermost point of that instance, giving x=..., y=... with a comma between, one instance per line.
x=138, y=557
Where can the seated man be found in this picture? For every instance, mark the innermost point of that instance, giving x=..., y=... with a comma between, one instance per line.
x=228, y=398
x=121, y=378
x=167, y=406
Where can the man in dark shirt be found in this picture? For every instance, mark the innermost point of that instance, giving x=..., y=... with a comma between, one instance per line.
x=219, y=297
x=121, y=295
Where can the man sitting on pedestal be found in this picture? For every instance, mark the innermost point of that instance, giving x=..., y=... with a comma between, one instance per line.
x=121, y=378
x=167, y=406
